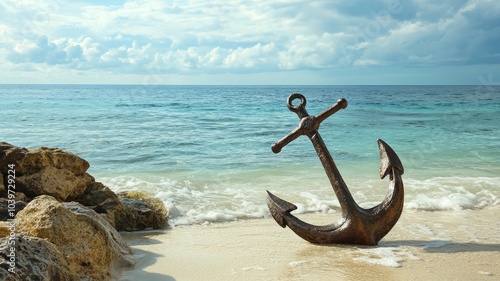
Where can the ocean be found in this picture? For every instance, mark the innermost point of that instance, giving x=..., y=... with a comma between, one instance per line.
x=205, y=151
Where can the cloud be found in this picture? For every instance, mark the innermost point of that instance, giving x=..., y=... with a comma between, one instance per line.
x=466, y=36
x=41, y=51
x=247, y=36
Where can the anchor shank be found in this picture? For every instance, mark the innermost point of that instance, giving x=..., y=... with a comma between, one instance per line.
x=341, y=191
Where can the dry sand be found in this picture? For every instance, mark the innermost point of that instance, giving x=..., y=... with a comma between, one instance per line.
x=445, y=245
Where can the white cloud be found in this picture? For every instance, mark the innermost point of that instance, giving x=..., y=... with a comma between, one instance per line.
x=246, y=36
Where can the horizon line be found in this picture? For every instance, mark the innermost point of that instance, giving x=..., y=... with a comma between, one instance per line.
x=227, y=85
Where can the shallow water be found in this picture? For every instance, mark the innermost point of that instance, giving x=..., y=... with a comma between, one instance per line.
x=205, y=150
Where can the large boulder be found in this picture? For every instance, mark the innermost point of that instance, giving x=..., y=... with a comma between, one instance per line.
x=59, y=183
x=93, y=248
x=33, y=259
x=31, y=161
x=46, y=171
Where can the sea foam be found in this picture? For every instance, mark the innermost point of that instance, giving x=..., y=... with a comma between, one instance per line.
x=386, y=256
x=197, y=202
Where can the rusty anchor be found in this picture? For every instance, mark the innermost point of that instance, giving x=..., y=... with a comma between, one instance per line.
x=358, y=225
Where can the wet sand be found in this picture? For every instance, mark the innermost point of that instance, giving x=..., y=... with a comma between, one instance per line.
x=445, y=245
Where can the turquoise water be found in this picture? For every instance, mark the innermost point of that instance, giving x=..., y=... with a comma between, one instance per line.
x=206, y=150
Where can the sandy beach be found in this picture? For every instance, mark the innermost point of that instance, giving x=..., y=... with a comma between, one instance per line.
x=444, y=245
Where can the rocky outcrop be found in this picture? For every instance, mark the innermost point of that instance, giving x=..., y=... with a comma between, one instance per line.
x=63, y=175
x=33, y=259
x=46, y=171
x=58, y=201
x=92, y=247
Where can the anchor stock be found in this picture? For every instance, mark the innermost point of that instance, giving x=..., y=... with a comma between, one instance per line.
x=308, y=124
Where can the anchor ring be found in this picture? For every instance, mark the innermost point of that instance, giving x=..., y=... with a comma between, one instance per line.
x=300, y=109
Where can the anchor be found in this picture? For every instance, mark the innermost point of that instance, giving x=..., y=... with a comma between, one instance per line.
x=358, y=225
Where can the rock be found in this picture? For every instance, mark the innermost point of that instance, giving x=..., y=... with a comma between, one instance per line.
x=61, y=174
x=5, y=229
x=93, y=248
x=3, y=190
x=95, y=194
x=31, y=161
x=104, y=201
x=35, y=259
x=10, y=213
x=121, y=252
x=141, y=212
x=21, y=197
x=4, y=146
x=129, y=211
x=46, y=171
x=59, y=183
x=82, y=240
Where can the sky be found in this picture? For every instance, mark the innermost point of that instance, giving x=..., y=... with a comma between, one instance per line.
x=264, y=42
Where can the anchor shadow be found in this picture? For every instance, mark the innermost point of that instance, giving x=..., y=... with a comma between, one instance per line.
x=444, y=246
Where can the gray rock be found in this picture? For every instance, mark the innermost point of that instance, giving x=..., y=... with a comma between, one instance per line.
x=141, y=212
x=32, y=259
x=5, y=211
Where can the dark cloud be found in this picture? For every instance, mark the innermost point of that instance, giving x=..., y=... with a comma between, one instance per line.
x=484, y=16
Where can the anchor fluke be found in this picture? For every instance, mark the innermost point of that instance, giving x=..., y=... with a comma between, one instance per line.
x=279, y=208
x=389, y=160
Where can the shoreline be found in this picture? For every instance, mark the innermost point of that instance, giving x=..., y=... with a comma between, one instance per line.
x=444, y=245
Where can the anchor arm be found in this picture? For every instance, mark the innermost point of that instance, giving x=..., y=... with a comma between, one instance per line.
x=340, y=104
x=308, y=126
x=277, y=146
